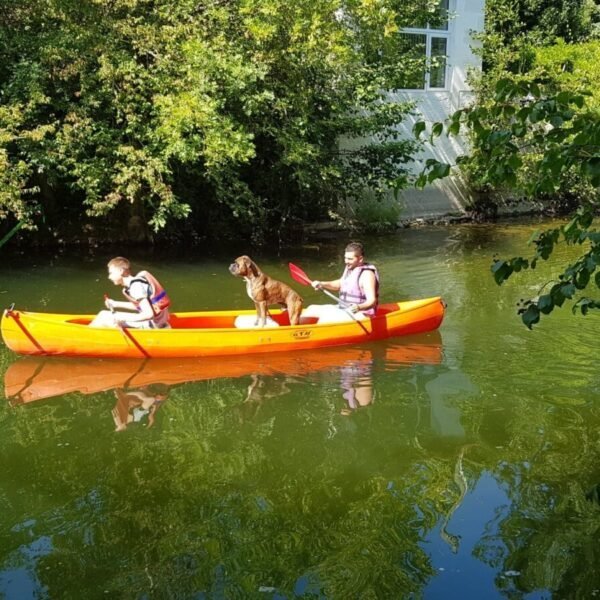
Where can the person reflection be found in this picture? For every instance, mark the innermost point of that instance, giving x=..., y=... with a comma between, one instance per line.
x=356, y=381
x=138, y=405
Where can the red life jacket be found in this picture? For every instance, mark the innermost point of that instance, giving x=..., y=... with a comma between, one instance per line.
x=159, y=300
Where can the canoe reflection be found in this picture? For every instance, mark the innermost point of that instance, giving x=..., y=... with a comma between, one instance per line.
x=30, y=379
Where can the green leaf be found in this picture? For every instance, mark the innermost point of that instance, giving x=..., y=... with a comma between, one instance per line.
x=590, y=263
x=531, y=316
x=584, y=304
x=479, y=129
x=567, y=290
x=556, y=121
x=564, y=97
x=437, y=130
x=591, y=167
x=454, y=128
x=502, y=87
x=508, y=110
x=518, y=129
x=501, y=271
x=421, y=181
x=557, y=296
x=545, y=304
x=418, y=128
x=582, y=279
x=515, y=161
x=534, y=90
x=439, y=171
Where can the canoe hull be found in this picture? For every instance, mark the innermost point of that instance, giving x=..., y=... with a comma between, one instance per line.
x=202, y=334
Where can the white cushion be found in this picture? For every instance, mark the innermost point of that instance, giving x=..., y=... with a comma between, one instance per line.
x=249, y=322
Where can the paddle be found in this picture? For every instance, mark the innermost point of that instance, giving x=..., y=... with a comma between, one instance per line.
x=126, y=333
x=301, y=277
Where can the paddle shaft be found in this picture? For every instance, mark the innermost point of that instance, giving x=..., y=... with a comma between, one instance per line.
x=301, y=277
x=342, y=303
x=127, y=334
x=346, y=307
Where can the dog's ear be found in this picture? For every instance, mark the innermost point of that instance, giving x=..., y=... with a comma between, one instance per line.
x=252, y=266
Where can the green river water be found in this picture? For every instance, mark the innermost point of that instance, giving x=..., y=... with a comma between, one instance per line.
x=458, y=464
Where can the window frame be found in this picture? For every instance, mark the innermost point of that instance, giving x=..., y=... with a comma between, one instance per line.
x=429, y=33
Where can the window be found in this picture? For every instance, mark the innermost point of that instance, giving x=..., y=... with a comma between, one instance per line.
x=425, y=49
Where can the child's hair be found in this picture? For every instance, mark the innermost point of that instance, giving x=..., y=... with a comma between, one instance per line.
x=120, y=263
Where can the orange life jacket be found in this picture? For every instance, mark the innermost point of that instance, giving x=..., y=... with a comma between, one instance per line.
x=159, y=300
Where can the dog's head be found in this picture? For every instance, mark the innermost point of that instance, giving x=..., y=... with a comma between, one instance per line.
x=243, y=266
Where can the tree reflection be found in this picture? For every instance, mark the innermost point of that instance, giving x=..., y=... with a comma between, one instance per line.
x=273, y=501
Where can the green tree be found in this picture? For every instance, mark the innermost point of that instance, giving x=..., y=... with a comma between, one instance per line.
x=214, y=112
x=535, y=133
x=558, y=138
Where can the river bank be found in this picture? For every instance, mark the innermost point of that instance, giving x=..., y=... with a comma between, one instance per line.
x=423, y=209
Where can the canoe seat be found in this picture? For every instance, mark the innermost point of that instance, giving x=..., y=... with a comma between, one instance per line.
x=248, y=322
x=309, y=320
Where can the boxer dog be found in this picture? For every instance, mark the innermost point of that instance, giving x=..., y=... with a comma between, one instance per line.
x=264, y=290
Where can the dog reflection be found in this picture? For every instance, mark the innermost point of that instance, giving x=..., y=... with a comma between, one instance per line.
x=138, y=405
x=261, y=389
x=356, y=383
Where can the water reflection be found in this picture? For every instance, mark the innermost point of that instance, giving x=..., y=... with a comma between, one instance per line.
x=142, y=386
x=356, y=381
x=138, y=405
x=471, y=475
x=445, y=392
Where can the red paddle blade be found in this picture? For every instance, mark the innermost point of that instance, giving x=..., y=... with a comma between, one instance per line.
x=299, y=275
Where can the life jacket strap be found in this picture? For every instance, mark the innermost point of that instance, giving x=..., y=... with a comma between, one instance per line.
x=159, y=297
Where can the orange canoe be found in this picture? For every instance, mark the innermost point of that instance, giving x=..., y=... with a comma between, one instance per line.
x=34, y=378
x=199, y=334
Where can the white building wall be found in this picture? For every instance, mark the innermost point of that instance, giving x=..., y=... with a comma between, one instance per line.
x=451, y=195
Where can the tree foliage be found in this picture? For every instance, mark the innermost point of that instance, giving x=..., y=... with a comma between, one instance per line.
x=535, y=133
x=557, y=137
x=216, y=111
